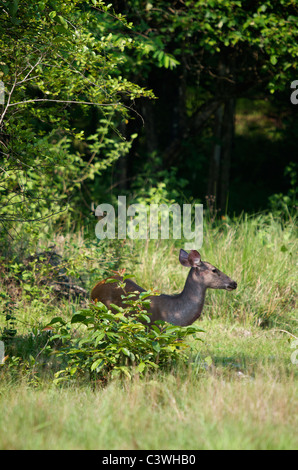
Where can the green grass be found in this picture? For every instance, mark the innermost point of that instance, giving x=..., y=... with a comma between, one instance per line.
x=245, y=397
x=240, y=388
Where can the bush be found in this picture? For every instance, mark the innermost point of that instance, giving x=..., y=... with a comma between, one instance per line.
x=105, y=345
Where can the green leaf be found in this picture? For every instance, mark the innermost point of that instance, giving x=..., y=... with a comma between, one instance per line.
x=78, y=318
x=116, y=307
x=166, y=61
x=125, y=370
x=156, y=330
x=144, y=295
x=56, y=320
x=97, y=364
x=273, y=60
x=141, y=367
x=125, y=351
x=98, y=338
x=63, y=21
x=142, y=316
x=13, y=7
x=100, y=307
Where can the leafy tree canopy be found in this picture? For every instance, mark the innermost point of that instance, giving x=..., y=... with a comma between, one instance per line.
x=59, y=61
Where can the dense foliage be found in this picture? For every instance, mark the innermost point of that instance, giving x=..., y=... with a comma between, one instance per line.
x=161, y=102
x=60, y=66
x=120, y=343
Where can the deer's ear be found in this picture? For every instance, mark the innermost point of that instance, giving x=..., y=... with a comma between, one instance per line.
x=183, y=258
x=194, y=258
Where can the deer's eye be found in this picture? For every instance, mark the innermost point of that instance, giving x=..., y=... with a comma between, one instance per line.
x=214, y=270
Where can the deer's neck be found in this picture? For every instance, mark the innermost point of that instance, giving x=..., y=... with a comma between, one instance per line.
x=183, y=309
x=193, y=297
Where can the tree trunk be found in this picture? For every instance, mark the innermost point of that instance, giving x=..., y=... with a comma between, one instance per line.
x=150, y=127
x=121, y=166
x=227, y=142
x=214, y=165
x=220, y=159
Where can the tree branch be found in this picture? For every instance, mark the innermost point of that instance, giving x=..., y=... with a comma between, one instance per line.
x=65, y=102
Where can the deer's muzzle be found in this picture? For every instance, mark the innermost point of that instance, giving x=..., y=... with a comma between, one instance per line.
x=231, y=286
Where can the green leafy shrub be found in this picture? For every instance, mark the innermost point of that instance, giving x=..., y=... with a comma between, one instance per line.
x=105, y=345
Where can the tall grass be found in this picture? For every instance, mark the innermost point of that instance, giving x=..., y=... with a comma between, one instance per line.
x=240, y=389
x=258, y=252
x=246, y=398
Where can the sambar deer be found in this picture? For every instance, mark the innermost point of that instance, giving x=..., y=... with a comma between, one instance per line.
x=179, y=309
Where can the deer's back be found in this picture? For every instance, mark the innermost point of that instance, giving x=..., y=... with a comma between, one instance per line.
x=110, y=293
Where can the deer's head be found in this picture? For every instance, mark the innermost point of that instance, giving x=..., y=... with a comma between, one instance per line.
x=207, y=273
